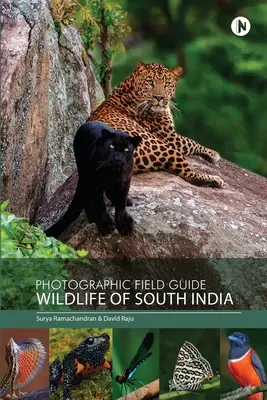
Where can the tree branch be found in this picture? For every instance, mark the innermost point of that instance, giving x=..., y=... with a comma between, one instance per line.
x=244, y=392
x=92, y=58
x=207, y=386
x=149, y=391
x=105, y=47
x=40, y=394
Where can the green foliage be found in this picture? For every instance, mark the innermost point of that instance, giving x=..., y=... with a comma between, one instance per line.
x=103, y=24
x=18, y=280
x=27, y=254
x=64, y=340
x=19, y=239
x=98, y=13
x=63, y=11
x=225, y=113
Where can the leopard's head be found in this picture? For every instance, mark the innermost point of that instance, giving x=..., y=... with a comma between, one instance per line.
x=154, y=86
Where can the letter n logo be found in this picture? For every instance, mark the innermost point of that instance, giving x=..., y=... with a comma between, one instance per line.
x=240, y=26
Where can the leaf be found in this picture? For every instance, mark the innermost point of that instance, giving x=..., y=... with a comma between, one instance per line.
x=4, y=205
x=62, y=247
x=109, y=53
x=82, y=253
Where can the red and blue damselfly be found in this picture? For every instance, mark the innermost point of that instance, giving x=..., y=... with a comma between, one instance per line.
x=142, y=354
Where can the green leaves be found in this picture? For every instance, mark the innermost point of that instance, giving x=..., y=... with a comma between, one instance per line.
x=63, y=11
x=82, y=253
x=18, y=282
x=19, y=239
x=27, y=254
x=98, y=17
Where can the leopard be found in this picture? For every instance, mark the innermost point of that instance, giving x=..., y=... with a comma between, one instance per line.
x=142, y=105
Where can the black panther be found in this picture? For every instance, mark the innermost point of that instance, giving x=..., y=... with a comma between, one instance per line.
x=104, y=159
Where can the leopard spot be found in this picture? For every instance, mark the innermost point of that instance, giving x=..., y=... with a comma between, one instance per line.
x=171, y=160
x=145, y=160
x=179, y=165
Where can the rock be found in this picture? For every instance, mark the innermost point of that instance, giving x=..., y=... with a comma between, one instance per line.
x=176, y=220
x=47, y=93
x=41, y=394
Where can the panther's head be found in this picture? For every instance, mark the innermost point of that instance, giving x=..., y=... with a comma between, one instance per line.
x=154, y=86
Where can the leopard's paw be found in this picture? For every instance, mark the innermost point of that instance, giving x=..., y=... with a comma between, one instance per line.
x=212, y=156
x=216, y=181
x=216, y=157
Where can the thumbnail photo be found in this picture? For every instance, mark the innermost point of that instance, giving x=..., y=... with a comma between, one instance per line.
x=135, y=364
x=189, y=363
x=243, y=363
x=24, y=367
x=80, y=364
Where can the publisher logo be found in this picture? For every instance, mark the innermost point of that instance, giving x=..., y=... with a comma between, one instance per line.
x=240, y=26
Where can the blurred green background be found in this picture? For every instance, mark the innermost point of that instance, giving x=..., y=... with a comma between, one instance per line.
x=207, y=341
x=222, y=95
x=96, y=386
x=258, y=342
x=126, y=342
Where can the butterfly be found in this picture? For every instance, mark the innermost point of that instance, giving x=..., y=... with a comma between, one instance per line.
x=191, y=369
x=141, y=356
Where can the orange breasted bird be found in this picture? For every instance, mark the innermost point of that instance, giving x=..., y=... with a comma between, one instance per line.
x=245, y=365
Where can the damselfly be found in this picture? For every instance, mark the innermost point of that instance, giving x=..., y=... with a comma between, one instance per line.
x=141, y=356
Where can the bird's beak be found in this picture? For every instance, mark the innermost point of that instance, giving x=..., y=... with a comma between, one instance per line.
x=233, y=339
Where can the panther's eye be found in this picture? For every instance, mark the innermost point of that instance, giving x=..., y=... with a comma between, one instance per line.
x=111, y=146
x=150, y=82
x=126, y=149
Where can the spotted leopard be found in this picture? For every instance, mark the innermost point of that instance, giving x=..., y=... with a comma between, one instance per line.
x=141, y=105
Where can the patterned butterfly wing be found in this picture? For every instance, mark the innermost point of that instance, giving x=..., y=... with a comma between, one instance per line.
x=191, y=369
x=190, y=351
x=186, y=354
